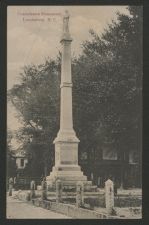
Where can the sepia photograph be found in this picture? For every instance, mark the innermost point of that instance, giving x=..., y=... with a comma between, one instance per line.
x=74, y=112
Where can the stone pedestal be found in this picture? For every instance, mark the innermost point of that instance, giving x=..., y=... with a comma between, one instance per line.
x=66, y=162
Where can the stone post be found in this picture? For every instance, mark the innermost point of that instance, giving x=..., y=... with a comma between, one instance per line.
x=15, y=182
x=79, y=194
x=32, y=187
x=82, y=194
x=10, y=186
x=58, y=191
x=44, y=189
x=109, y=196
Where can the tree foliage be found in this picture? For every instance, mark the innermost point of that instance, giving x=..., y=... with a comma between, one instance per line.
x=36, y=100
x=108, y=79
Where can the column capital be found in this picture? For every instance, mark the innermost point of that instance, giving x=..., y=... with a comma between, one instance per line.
x=66, y=84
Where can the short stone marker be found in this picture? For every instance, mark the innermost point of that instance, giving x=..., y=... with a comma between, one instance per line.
x=79, y=194
x=28, y=196
x=82, y=193
x=15, y=182
x=33, y=187
x=59, y=190
x=109, y=196
x=44, y=189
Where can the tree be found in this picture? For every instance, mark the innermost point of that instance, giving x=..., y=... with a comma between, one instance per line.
x=107, y=84
x=36, y=100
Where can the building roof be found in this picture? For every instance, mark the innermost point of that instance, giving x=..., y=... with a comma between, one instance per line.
x=20, y=154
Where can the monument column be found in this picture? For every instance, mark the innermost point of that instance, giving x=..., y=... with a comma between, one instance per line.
x=66, y=143
x=66, y=116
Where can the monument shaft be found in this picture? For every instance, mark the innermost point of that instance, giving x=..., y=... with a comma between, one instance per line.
x=66, y=143
x=66, y=122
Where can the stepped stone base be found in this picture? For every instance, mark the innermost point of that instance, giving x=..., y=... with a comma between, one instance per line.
x=69, y=175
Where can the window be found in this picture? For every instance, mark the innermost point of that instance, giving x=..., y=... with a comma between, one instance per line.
x=133, y=157
x=22, y=162
x=109, y=154
x=84, y=156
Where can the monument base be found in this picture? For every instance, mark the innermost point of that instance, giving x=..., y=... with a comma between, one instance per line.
x=69, y=176
x=66, y=166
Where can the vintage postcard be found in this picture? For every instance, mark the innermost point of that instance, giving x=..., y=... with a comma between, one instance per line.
x=74, y=112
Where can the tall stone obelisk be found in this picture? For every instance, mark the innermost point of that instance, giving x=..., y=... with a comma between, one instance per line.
x=66, y=143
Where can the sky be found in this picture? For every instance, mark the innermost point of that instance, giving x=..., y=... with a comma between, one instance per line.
x=34, y=32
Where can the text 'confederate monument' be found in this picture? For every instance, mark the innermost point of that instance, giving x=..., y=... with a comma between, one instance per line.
x=66, y=143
